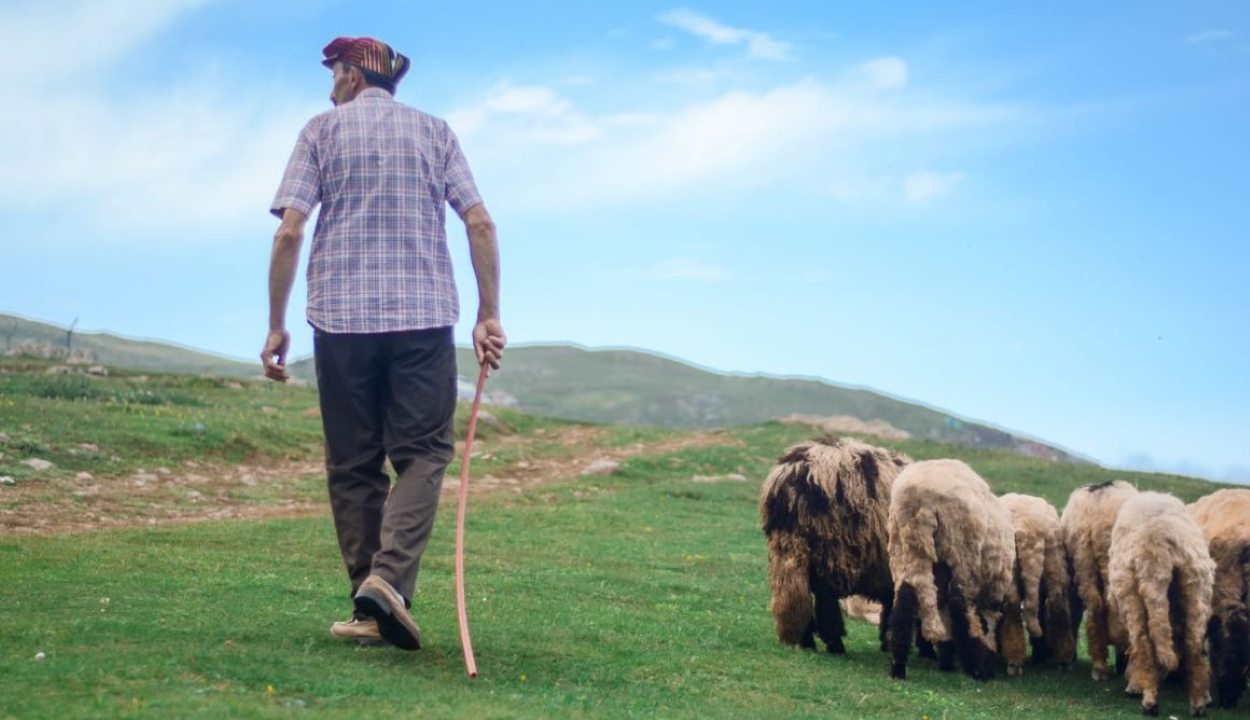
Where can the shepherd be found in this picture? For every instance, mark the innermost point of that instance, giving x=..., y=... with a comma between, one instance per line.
x=382, y=303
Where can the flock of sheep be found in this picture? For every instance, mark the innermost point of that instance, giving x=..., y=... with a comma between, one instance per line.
x=966, y=575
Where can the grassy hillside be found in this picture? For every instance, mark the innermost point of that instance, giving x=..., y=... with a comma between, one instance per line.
x=605, y=386
x=623, y=386
x=638, y=594
x=121, y=352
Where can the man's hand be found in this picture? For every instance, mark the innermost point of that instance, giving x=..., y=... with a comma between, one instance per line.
x=274, y=355
x=489, y=341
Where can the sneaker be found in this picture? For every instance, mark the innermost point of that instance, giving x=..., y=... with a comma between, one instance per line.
x=377, y=600
x=364, y=632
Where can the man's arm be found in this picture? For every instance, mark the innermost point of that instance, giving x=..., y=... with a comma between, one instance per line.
x=488, y=335
x=283, y=263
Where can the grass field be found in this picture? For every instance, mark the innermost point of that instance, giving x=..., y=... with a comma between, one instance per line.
x=638, y=595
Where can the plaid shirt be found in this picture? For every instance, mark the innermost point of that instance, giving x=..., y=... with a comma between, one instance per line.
x=383, y=173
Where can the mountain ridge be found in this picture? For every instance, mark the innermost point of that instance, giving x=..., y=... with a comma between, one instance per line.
x=605, y=385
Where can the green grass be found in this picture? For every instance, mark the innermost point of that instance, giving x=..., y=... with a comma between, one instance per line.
x=129, y=421
x=639, y=595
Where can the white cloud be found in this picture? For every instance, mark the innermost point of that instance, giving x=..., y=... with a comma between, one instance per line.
x=924, y=186
x=915, y=188
x=689, y=76
x=198, y=158
x=683, y=270
x=1210, y=36
x=841, y=138
x=888, y=72
x=526, y=100
x=856, y=189
x=529, y=114
x=46, y=39
x=759, y=45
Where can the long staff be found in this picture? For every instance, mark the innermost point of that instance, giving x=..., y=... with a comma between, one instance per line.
x=465, y=641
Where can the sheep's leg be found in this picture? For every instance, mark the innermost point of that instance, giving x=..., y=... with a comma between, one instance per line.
x=1013, y=639
x=1143, y=673
x=1229, y=634
x=942, y=650
x=883, y=626
x=829, y=623
x=1096, y=639
x=1197, y=677
x=924, y=648
x=1039, y=650
x=1197, y=616
x=902, y=620
x=1121, y=658
x=1059, y=640
x=974, y=655
x=1216, y=651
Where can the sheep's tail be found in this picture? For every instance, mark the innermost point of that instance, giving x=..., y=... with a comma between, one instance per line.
x=1155, y=598
x=913, y=555
x=790, y=580
x=1031, y=558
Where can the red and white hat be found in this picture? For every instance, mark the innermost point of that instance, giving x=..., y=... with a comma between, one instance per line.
x=367, y=54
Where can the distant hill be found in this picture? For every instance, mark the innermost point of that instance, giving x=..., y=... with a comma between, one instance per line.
x=607, y=386
x=149, y=356
x=639, y=388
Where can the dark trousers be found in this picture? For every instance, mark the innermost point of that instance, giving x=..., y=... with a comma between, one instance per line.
x=386, y=395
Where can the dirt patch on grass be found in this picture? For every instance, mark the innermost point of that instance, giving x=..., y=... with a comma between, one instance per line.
x=296, y=488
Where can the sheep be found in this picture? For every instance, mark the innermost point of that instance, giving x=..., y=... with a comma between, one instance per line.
x=1086, y=521
x=823, y=511
x=952, y=553
x=861, y=608
x=1224, y=516
x=1041, y=576
x=1161, y=576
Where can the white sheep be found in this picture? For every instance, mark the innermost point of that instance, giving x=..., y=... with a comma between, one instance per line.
x=1087, y=520
x=1161, y=576
x=1041, y=576
x=952, y=554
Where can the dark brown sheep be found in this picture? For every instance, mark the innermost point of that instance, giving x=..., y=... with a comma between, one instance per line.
x=823, y=510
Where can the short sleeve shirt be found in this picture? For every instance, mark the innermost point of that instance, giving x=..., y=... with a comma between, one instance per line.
x=383, y=173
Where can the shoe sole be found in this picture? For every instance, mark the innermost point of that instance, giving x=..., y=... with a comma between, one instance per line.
x=372, y=604
x=372, y=642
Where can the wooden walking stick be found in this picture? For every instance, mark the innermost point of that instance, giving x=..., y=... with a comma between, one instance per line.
x=465, y=641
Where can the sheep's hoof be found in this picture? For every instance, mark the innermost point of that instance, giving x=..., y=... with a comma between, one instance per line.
x=1100, y=674
x=1014, y=670
x=898, y=671
x=1132, y=690
x=1200, y=710
x=835, y=648
x=1151, y=710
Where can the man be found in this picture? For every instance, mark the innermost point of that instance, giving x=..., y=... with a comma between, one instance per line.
x=382, y=302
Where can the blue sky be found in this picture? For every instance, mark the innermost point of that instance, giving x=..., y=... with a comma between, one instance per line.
x=1032, y=215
